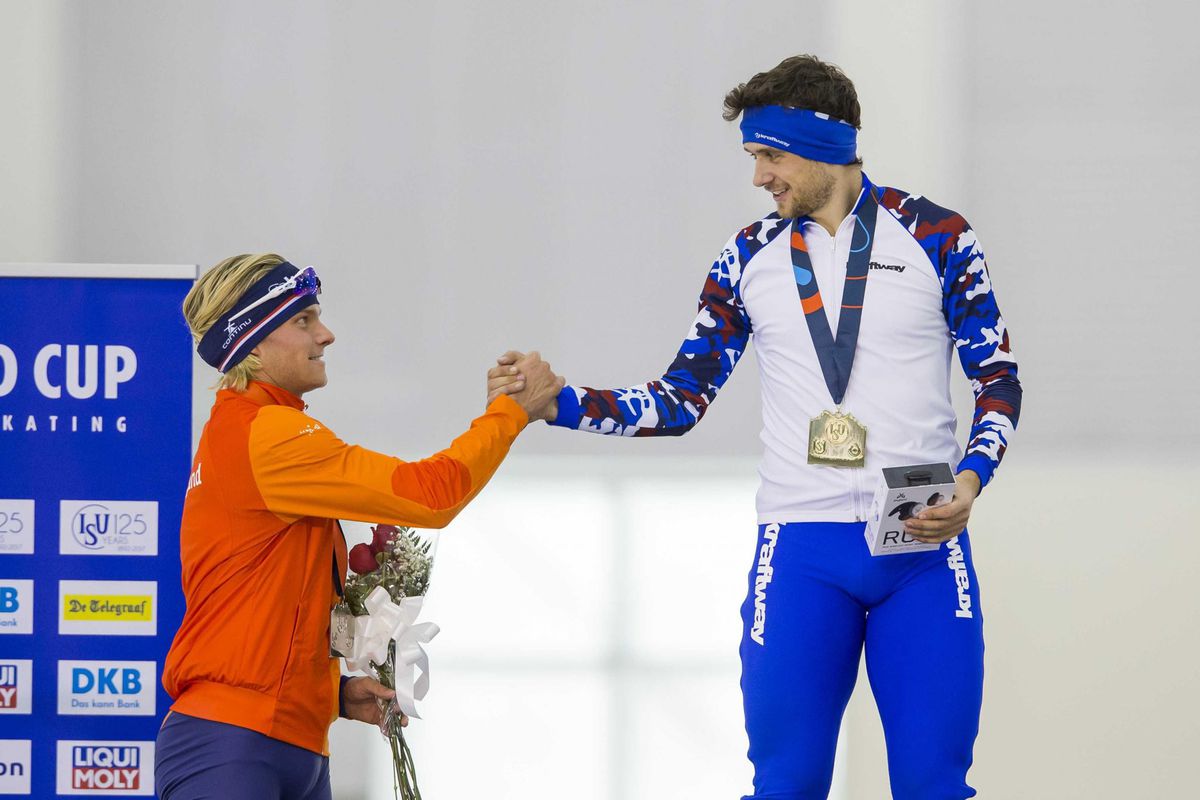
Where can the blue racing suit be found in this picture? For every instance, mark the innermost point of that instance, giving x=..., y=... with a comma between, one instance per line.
x=928, y=295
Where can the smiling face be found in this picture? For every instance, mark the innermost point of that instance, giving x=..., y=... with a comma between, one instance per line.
x=292, y=356
x=798, y=185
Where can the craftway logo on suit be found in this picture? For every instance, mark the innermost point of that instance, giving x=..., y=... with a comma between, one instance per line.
x=961, y=580
x=763, y=576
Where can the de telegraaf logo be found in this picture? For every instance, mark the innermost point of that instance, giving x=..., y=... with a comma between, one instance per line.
x=117, y=608
x=14, y=765
x=105, y=767
x=124, y=688
x=108, y=527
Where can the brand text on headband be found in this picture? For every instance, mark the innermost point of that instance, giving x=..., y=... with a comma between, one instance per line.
x=272, y=300
x=802, y=132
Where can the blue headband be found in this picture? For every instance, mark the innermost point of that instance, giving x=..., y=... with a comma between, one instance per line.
x=271, y=301
x=810, y=134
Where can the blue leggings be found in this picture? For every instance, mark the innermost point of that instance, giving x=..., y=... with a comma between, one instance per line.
x=197, y=759
x=816, y=597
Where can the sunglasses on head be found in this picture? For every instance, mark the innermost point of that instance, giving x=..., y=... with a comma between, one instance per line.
x=303, y=282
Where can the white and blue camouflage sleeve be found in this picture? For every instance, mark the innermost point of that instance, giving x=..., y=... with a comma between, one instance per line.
x=717, y=339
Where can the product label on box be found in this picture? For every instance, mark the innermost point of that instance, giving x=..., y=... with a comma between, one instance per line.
x=903, y=493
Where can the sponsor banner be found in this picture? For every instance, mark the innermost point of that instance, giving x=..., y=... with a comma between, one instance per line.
x=126, y=688
x=95, y=431
x=108, y=608
x=16, y=527
x=108, y=528
x=105, y=768
x=16, y=606
x=16, y=690
x=15, y=765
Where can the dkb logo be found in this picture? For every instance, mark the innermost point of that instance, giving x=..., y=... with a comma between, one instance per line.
x=107, y=687
x=104, y=681
x=16, y=606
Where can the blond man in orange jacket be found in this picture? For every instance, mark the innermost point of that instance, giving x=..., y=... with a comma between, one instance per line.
x=254, y=687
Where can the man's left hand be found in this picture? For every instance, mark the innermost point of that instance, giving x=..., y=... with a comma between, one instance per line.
x=943, y=523
x=360, y=698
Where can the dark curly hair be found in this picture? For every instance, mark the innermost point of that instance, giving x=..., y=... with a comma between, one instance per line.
x=799, y=82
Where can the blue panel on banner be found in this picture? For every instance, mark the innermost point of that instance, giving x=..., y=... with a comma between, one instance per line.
x=95, y=449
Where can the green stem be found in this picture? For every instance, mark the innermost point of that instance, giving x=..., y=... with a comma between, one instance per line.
x=404, y=771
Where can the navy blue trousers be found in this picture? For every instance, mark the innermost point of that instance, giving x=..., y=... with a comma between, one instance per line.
x=816, y=598
x=197, y=759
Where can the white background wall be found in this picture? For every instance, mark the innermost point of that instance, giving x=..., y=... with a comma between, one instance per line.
x=470, y=177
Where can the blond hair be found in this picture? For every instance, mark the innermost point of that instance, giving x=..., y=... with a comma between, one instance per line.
x=213, y=297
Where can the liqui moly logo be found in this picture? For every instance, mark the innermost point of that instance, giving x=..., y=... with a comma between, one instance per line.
x=8, y=686
x=105, y=768
x=15, y=693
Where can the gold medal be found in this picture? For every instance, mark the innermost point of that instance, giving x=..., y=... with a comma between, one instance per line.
x=837, y=440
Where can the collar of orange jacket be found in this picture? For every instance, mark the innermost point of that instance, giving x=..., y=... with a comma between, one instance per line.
x=265, y=394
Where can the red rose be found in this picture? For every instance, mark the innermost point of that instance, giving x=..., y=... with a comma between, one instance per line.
x=382, y=536
x=362, y=560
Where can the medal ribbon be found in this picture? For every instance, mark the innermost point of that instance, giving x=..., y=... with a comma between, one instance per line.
x=836, y=356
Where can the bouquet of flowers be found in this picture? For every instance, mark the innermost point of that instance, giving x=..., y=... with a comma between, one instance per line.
x=385, y=596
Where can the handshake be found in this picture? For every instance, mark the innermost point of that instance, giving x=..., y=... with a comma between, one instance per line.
x=529, y=380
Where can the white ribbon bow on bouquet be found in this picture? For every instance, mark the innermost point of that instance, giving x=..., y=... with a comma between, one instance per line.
x=384, y=623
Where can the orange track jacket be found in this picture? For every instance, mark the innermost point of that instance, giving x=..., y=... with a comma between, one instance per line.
x=260, y=543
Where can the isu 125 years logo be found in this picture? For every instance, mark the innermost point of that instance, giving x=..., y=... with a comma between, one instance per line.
x=108, y=527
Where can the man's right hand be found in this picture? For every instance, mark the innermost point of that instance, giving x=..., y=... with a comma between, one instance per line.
x=529, y=380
